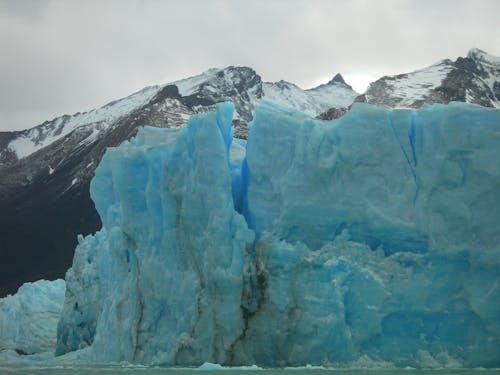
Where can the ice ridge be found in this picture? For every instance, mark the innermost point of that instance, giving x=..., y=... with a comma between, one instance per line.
x=321, y=243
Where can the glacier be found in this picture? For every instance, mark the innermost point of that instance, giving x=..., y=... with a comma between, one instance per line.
x=374, y=238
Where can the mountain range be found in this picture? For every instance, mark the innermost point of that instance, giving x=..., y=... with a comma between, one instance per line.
x=46, y=170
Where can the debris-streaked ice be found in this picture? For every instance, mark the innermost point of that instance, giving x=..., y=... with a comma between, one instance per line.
x=374, y=238
x=162, y=281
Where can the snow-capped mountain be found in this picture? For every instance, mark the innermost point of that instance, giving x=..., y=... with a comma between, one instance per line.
x=473, y=79
x=32, y=140
x=241, y=85
x=46, y=170
x=245, y=89
x=313, y=101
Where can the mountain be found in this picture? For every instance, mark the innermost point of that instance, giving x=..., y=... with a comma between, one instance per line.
x=245, y=89
x=472, y=79
x=46, y=170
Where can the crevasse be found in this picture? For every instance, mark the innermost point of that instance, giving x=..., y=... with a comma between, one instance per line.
x=314, y=243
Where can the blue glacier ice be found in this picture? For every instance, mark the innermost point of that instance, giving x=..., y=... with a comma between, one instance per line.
x=28, y=319
x=162, y=281
x=374, y=238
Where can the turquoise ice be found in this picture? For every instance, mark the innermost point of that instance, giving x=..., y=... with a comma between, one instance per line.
x=28, y=319
x=377, y=235
x=374, y=238
x=162, y=281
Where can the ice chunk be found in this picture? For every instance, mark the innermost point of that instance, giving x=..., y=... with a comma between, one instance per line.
x=207, y=366
x=28, y=319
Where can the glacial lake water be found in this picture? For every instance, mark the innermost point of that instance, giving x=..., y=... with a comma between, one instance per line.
x=118, y=370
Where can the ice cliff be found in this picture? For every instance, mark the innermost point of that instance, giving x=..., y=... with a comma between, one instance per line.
x=375, y=237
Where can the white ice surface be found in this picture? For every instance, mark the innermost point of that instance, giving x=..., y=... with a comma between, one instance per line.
x=28, y=319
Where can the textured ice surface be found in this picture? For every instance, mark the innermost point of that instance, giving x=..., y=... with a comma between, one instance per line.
x=28, y=319
x=369, y=239
x=408, y=181
x=378, y=234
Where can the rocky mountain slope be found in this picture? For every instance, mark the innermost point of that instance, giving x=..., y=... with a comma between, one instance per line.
x=45, y=171
x=473, y=79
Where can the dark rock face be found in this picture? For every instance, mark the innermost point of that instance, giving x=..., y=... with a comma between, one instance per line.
x=41, y=212
x=35, y=243
x=338, y=79
x=231, y=84
x=332, y=114
x=496, y=89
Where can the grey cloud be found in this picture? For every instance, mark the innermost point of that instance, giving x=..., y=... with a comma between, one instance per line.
x=68, y=56
x=27, y=9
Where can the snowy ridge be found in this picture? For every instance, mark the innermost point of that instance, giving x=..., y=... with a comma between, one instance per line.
x=241, y=85
x=47, y=133
x=341, y=95
x=244, y=86
x=491, y=66
x=471, y=79
x=313, y=101
x=190, y=85
x=411, y=87
x=474, y=79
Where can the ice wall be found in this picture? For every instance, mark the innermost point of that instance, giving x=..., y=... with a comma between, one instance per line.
x=378, y=236
x=405, y=180
x=372, y=238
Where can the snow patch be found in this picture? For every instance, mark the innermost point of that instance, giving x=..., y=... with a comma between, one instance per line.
x=416, y=85
x=313, y=102
x=190, y=85
x=44, y=135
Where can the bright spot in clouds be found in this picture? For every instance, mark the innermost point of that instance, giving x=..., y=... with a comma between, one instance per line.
x=359, y=82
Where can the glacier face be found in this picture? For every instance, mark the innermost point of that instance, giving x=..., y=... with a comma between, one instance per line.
x=369, y=238
x=408, y=181
x=377, y=235
x=162, y=281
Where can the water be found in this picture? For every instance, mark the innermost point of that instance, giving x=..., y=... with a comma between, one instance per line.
x=139, y=370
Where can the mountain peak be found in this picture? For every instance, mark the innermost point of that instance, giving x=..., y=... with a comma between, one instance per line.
x=337, y=79
x=476, y=52
x=470, y=79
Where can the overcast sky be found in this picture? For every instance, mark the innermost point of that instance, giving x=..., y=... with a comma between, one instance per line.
x=60, y=57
